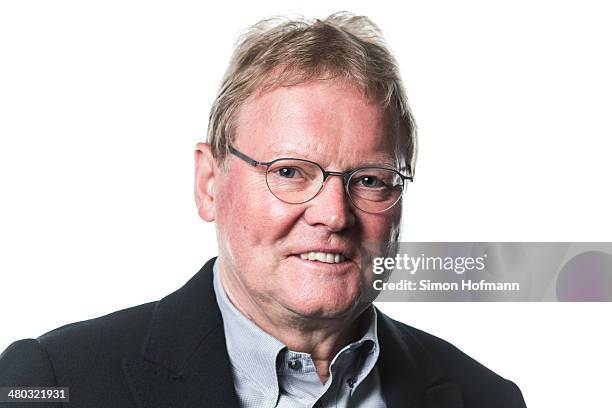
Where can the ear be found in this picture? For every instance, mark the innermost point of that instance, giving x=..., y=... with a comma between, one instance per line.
x=205, y=171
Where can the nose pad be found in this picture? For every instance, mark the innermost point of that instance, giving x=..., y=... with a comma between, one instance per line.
x=344, y=179
x=329, y=180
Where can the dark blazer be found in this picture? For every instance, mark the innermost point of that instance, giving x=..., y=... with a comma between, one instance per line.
x=171, y=353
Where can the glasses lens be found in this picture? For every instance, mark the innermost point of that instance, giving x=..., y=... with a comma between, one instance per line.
x=294, y=181
x=375, y=190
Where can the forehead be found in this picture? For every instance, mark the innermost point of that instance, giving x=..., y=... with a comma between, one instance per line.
x=324, y=120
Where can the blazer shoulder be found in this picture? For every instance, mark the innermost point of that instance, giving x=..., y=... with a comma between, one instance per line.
x=95, y=343
x=475, y=380
x=26, y=363
x=447, y=354
x=116, y=330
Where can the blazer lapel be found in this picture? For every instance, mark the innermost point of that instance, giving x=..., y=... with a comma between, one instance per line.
x=184, y=361
x=410, y=377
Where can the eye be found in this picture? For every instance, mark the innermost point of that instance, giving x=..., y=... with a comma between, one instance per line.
x=371, y=182
x=287, y=172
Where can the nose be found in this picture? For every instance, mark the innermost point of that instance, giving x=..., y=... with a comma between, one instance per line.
x=331, y=207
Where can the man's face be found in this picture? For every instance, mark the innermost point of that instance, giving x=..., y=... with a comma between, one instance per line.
x=261, y=238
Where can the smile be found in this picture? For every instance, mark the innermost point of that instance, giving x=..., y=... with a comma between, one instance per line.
x=323, y=257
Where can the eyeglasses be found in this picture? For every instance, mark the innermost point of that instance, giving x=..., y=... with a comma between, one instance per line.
x=296, y=181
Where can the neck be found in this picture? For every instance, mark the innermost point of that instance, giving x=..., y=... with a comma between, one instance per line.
x=322, y=338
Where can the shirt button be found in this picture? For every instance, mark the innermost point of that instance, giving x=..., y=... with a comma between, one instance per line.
x=295, y=364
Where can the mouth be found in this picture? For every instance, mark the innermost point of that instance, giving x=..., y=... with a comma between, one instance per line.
x=324, y=257
x=317, y=262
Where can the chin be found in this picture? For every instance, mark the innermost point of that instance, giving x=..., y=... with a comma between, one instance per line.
x=323, y=312
x=327, y=305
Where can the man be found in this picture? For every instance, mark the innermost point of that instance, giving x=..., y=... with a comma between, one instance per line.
x=310, y=145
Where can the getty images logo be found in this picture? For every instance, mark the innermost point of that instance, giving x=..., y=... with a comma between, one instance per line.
x=413, y=264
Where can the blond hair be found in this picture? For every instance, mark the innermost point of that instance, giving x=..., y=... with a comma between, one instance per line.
x=278, y=52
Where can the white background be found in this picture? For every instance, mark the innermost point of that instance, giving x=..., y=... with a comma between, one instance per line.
x=101, y=104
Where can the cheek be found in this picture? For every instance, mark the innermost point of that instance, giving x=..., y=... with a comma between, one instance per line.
x=378, y=228
x=249, y=217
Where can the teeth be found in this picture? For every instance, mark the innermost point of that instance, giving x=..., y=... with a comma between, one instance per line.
x=323, y=257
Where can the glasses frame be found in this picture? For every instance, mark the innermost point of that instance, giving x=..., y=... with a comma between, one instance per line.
x=346, y=176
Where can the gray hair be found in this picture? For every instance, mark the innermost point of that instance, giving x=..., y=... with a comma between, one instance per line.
x=277, y=52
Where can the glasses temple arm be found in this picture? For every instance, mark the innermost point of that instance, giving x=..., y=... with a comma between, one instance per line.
x=244, y=157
